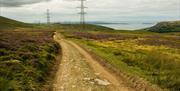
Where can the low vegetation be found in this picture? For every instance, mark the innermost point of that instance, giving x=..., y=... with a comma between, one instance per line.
x=26, y=56
x=79, y=27
x=164, y=27
x=6, y=23
x=152, y=56
x=26, y=59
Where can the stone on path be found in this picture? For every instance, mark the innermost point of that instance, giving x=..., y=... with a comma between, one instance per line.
x=102, y=82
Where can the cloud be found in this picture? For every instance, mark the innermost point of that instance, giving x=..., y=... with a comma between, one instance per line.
x=98, y=10
x=18, y=3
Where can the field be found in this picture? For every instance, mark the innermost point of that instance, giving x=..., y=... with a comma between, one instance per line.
x=27, y=57
x=152, y=56
x=28, y=52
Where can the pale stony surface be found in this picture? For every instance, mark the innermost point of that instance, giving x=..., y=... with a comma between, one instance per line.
x=78, y=71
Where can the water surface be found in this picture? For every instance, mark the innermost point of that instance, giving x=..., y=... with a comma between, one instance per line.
x=129, y=26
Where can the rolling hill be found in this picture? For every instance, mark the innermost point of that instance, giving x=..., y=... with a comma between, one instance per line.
x=6, y=23
x=162, y=27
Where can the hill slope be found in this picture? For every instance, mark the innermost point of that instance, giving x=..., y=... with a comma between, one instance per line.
x=6, y=23
x=173, y=26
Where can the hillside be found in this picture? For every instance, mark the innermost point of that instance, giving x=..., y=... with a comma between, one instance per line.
x=86, y=27
x=153, y=57
x=6, y=23
x=173, y=26
x=27, y=56
x=26, y=59
x=95, y=57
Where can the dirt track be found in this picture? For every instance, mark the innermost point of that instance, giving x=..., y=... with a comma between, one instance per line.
x=78, y=71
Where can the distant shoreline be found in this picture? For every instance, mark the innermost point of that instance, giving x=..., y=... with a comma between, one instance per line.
x=122, y=23
x=130, y=26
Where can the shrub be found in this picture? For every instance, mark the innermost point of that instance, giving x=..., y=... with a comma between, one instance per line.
x=26, y=57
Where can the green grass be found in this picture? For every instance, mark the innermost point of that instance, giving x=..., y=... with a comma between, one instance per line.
x=164, y=27
x=27, y=56
x=6, y=23
x=87, y=27
x=152, y=56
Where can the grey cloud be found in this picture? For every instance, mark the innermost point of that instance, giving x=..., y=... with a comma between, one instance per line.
x=105, y=10
x=18, y=3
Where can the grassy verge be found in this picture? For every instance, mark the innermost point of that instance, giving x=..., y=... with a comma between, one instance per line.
x=26, y=59
x=152, y=56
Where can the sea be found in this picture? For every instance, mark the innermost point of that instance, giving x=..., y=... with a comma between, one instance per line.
x=128, y=26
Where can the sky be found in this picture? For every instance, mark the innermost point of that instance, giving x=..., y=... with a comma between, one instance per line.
x=98, y=10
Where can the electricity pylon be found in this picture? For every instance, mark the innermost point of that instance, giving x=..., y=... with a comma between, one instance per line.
x=82, y=13
x=48, y=17
x=1, y=5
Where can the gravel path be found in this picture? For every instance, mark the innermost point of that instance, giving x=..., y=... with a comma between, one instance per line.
x=78, y=71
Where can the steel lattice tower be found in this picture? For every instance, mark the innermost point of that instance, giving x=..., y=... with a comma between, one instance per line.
x=82, y=12
x=1, y=5
x=48, y=16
